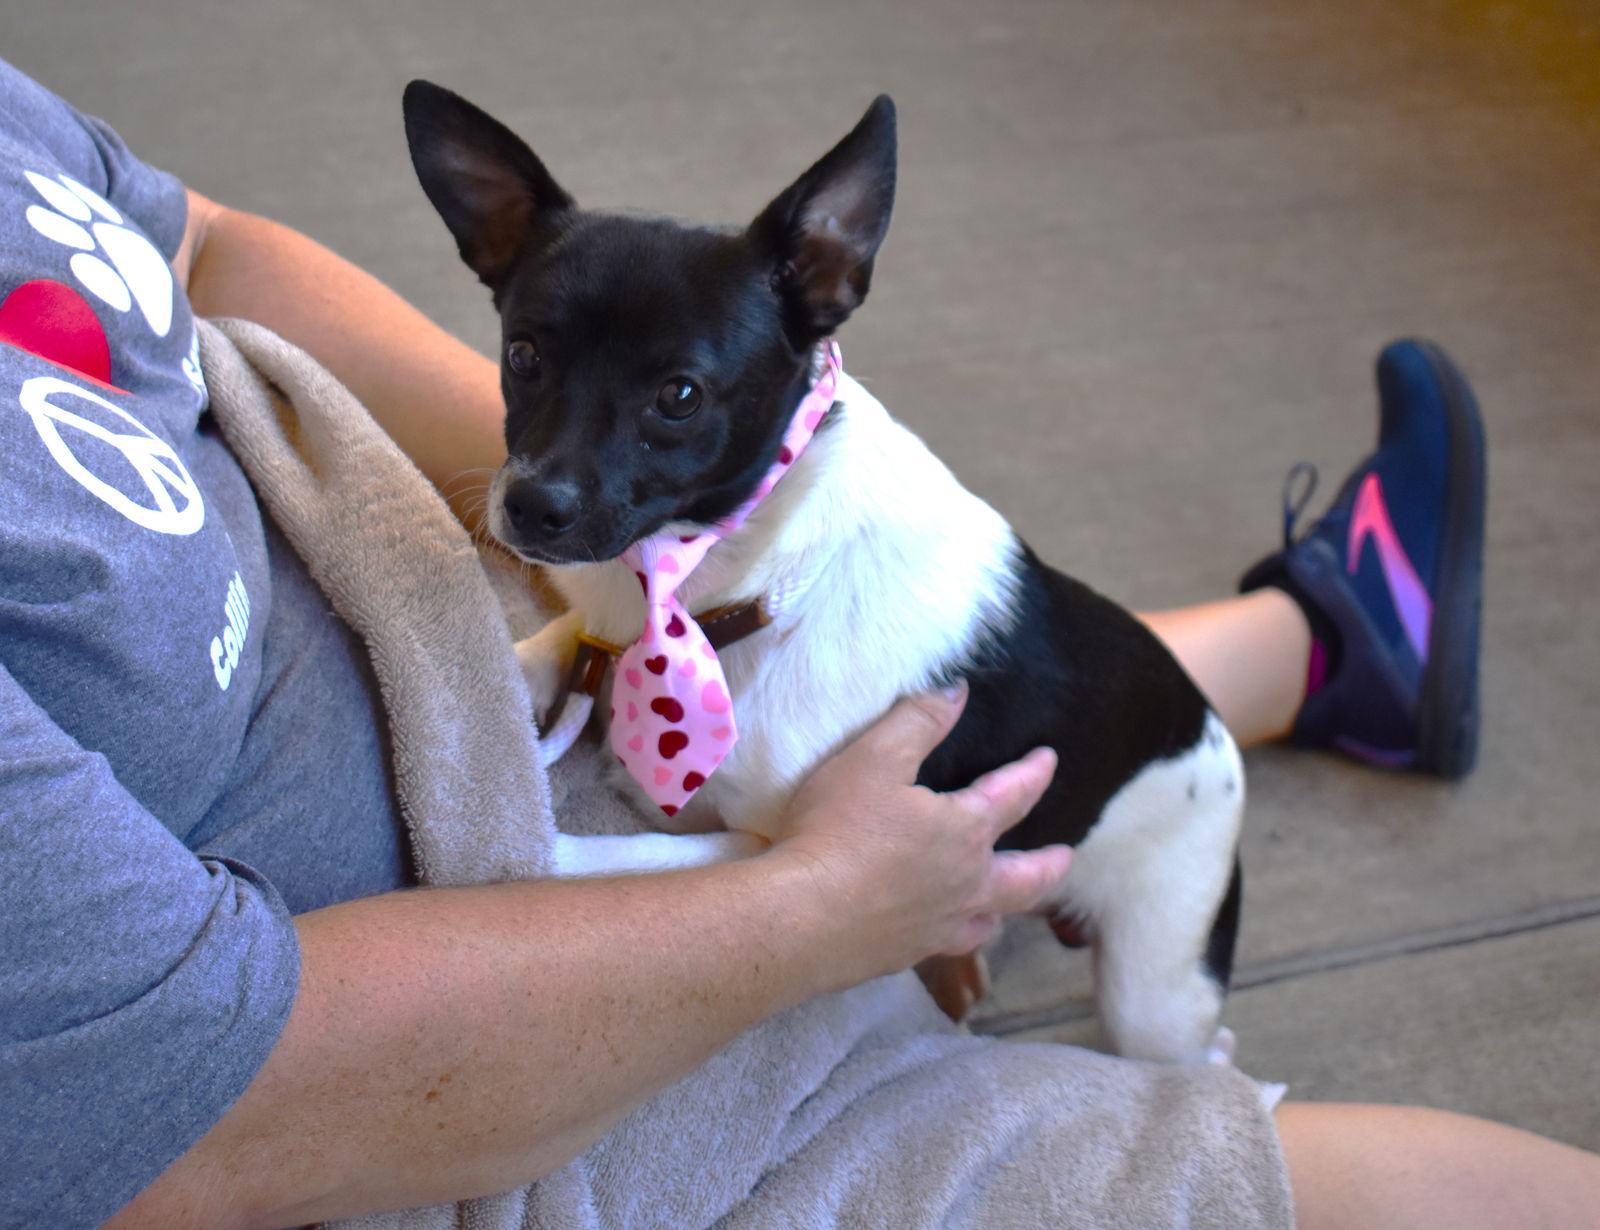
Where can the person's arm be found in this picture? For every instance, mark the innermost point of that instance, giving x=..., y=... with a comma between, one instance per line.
x=457, y=1042
x=436, y=396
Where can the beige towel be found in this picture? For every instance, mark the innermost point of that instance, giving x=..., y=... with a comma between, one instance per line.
x=862, y=1109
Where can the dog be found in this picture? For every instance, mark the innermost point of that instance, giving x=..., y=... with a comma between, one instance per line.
x=651, y=370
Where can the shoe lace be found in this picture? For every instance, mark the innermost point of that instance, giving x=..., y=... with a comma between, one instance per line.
x=1303, y=475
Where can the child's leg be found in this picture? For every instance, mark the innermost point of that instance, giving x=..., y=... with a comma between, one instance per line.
x=1248, y=654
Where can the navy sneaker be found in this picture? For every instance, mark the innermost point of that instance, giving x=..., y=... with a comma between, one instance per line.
x=1390, y=578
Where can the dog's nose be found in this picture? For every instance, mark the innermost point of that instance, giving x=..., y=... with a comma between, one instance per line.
x=543, y=510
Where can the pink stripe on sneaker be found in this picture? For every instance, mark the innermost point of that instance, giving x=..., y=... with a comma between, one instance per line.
x=1370, y=516
x=1316, y=668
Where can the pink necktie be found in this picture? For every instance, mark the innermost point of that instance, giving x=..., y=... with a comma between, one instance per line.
x=671, y=716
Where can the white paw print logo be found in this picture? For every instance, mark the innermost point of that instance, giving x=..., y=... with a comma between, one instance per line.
x=129, y=272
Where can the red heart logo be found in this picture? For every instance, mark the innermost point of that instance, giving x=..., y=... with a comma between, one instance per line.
x=671, y=743
x=56, y=323
x=675, y=626
x=668, y=708
x=656, y=665
x=693, y=781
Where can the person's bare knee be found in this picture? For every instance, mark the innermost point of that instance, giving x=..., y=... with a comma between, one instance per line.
x=1381, y=1166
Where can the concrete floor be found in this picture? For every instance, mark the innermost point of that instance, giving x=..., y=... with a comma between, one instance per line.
x=1142, y=259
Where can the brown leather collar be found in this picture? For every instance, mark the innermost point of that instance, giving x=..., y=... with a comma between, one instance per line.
x=727, y=625
x=723, y=626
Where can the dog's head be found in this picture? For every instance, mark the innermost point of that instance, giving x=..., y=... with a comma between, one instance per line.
x=649, y=368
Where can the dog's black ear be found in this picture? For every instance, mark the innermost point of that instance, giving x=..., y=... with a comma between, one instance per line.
x=822, y=232
x=489, y=187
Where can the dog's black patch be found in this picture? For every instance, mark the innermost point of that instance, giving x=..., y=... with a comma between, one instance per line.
x=1225, y=930
x=1077, y=673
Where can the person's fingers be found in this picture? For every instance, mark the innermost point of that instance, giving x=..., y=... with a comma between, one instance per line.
x=1007, y=794
x=905, y=736
x=1020, y=880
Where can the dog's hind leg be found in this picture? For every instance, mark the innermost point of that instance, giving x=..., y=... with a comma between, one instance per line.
x=1157, y=881
x=956, y=983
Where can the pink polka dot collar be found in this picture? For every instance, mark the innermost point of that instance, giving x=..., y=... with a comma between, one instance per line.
x=671, y=718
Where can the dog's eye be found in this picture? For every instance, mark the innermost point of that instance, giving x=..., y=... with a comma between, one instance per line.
x=678, y=398
x=522, y=356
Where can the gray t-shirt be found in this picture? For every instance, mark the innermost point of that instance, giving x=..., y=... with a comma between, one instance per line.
x=190, y=745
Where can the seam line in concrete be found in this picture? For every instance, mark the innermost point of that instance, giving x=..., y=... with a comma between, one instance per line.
x=1303, y=965
x=1557, y=914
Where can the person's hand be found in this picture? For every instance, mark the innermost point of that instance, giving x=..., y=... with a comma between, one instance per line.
x=908, y=872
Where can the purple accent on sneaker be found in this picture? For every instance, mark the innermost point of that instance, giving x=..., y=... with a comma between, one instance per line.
x=1370, y=516
x=1389, y=758
x=1316, y=668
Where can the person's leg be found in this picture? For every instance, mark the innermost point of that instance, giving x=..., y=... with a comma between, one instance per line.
x=1404, y=1167
x=1247, y=654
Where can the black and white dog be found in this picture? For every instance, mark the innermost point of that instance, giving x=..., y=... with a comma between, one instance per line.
x=650, y=370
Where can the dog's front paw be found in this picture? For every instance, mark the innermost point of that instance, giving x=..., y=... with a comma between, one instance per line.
x=1223, y=1047
x=546, y=660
